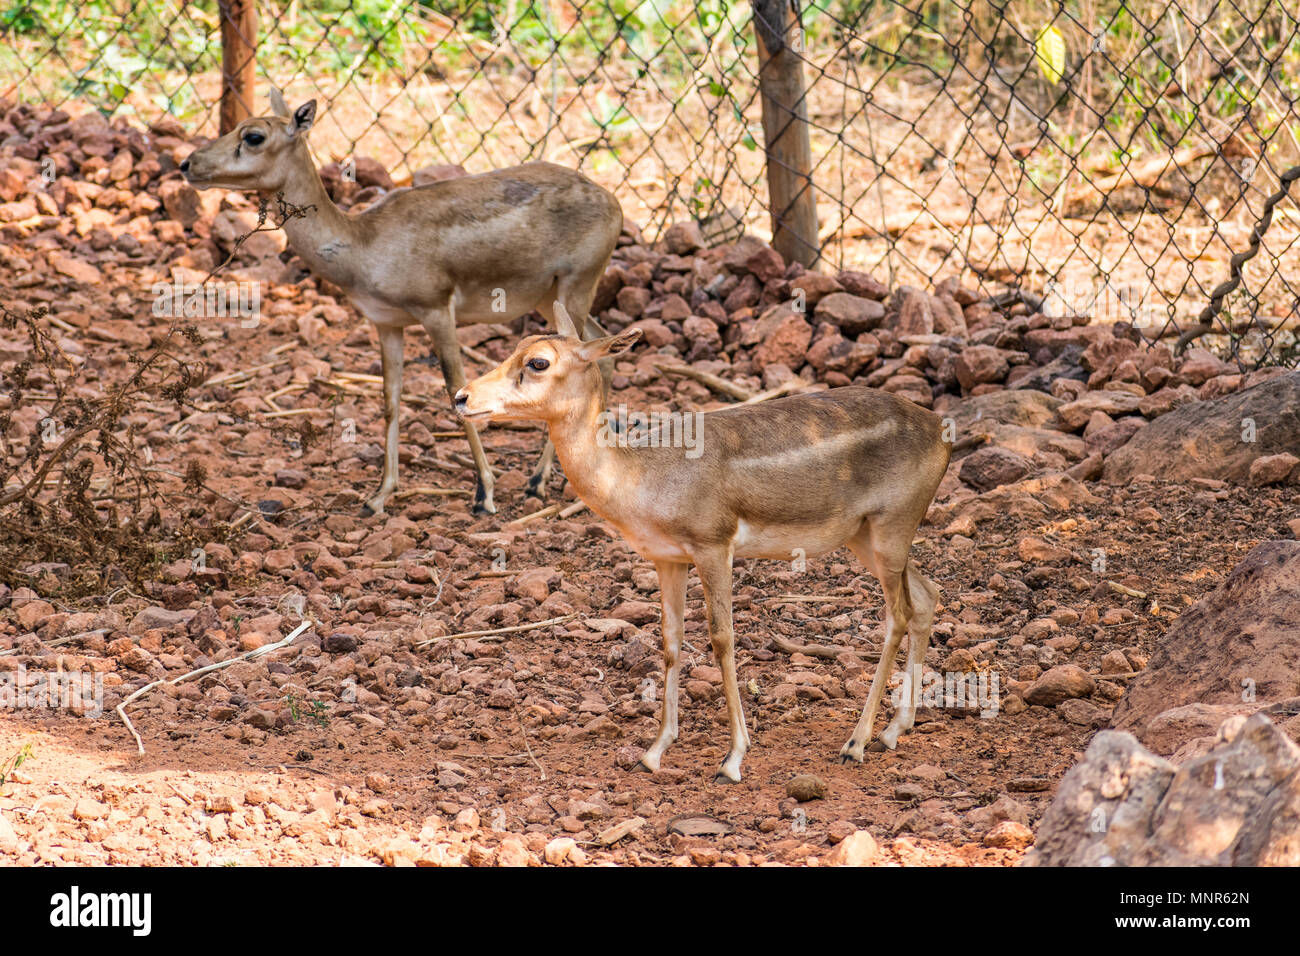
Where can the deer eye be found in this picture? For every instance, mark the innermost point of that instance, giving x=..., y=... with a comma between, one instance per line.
x=539, y=364
x=254, y=138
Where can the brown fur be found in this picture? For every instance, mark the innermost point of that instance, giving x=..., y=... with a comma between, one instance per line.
x=794, y=476
x=446, y=254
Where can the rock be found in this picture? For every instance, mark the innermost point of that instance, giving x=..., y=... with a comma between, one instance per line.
x=834, y=353
x=158, y=618
x=1003, y=808
x=1065, y=366
x=1216, y=439
x=851, y=314
x=861, y=284
x=181, y=202
x=562, y=850
x=987, y=468
x=8, y=836
x=978, y=364
x=1272, y=469
x=1074, y=415
x=1238, y=639
x=753, y=256
x=857, y=849
x=1109, y=437
x=813, y=286
x=1009, y=835
x=1061, y=683
x=1238, y=805
x=87, y=809
x=371, y=172
x=806, y=787
x=1199, y=366
x=339, y=643
x=1170, y=729
x=1042, y=552
x=1082, y=713
x=683, y=238
x=915, y=311
x=786, y=343
x=437, y=173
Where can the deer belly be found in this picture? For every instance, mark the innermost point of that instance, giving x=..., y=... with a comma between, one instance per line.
x=788, y=542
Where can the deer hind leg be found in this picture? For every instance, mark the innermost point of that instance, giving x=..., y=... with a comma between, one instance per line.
x=390, y=355
x=888, y=561
x=441, y=326
x=672, y=593
x=577, y=300
x=925, y=596
x=715, y=576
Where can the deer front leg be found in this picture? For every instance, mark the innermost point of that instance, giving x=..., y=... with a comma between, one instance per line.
x=390, y=355
x=898, y=614
x=715, y=575
x=672, y=596
x=924, y=598
x=441, y=326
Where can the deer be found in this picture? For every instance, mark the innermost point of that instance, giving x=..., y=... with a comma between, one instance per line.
x=804, y=474
x=483, y=248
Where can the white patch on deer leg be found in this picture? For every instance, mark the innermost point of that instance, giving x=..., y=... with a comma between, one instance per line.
x=856, y=746
x=390, y=347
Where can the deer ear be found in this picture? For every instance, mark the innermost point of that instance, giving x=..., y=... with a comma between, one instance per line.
x=303, y=117
x=564, y=322
x=278, y=106
x=609, y=345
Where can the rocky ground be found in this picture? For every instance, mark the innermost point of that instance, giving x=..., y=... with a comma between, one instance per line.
x=380, y=736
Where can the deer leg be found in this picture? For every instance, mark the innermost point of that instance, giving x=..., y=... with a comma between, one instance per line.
x=441, y=326
x=925, y=596
x=890, y=570
x=715, y=575
x=672, y=594
x=390, y=356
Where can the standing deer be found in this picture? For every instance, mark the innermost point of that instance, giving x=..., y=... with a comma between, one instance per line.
x=484, y=248
x=848, y=466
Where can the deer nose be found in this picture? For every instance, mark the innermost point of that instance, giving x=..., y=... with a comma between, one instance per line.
x=462, y=401
x=185, y=166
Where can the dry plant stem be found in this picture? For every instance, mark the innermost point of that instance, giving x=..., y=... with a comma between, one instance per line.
x=500, y=630
x=718, y=384
x=828, y=651
x=256, y=652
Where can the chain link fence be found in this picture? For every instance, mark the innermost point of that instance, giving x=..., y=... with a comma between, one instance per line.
x=1126, y=160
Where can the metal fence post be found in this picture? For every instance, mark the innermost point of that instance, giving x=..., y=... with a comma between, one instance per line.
x=238, y=60
x=791, y=200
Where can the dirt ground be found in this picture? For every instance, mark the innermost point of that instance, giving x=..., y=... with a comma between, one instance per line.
x=383, y=734
x=358, y=744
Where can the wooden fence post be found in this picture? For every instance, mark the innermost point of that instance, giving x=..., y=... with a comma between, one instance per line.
x=792, y=203
x=238, y=60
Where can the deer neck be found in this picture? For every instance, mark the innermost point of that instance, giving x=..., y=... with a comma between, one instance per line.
x=323, y=236
x=596, y=466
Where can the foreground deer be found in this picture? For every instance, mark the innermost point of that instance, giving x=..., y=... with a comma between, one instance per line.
x=477, y=249
x=849, y=466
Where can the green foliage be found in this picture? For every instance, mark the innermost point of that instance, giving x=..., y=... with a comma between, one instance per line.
x=13, y=763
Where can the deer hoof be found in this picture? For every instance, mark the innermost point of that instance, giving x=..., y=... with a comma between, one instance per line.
x=483, y=504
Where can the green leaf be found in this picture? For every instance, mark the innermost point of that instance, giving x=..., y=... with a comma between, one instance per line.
x=1049, y=51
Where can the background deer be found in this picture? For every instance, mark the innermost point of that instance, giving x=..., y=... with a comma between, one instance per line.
x=484, y=248
x=849, y=467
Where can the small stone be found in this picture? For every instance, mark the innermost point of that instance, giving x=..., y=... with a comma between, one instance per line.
x=87, y=809
x=857, y=849
x=1009, y=835
x=806, y=787
x=1061, y=683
